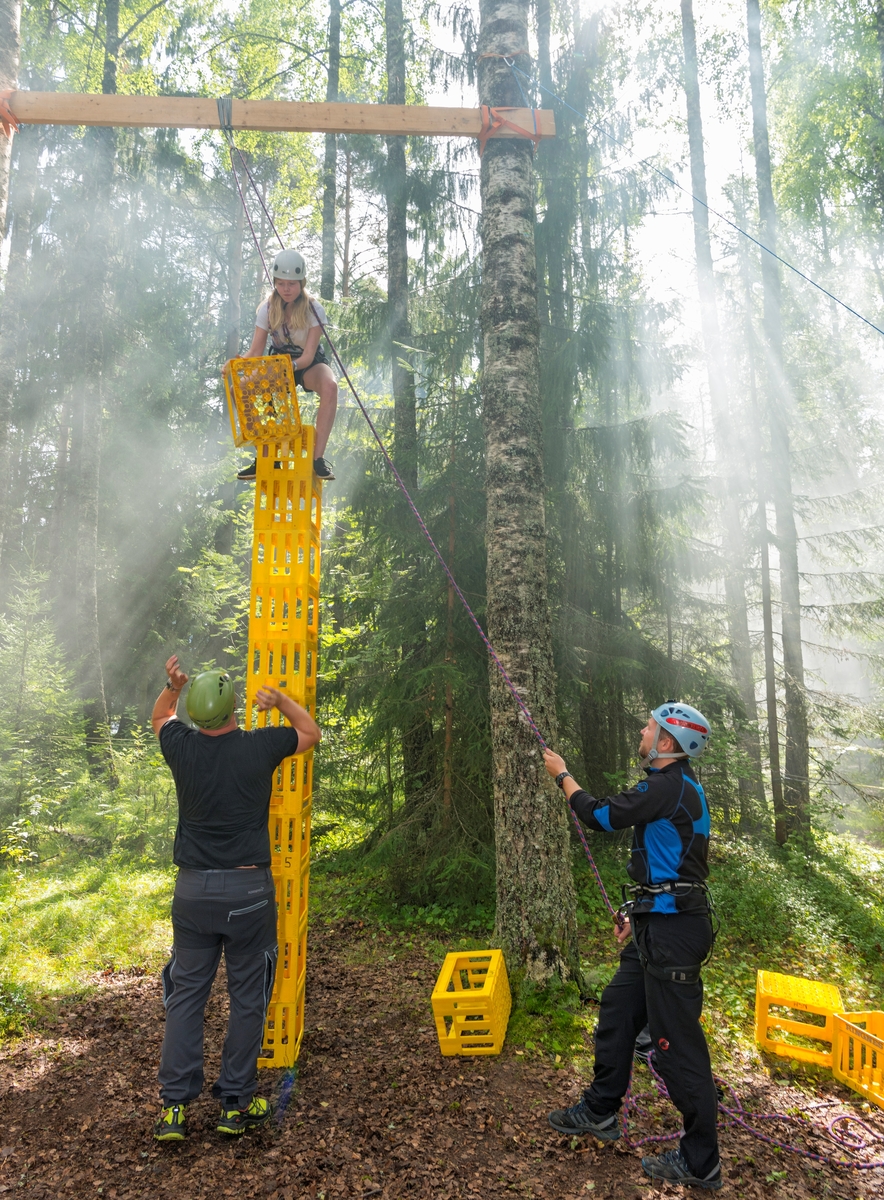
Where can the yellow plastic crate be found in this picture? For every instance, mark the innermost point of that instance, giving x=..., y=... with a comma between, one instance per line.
x=283, y=633
x=858, y=1053
x=471, y=1003
x=804, y=995
x=261, y=398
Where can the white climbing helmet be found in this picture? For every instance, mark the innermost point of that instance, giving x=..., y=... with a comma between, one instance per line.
x=289, y=264
x=685, y=724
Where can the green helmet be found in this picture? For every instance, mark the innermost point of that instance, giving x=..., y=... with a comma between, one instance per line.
x=211, y=700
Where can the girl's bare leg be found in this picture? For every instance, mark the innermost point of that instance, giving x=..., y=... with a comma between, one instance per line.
x=321, y=380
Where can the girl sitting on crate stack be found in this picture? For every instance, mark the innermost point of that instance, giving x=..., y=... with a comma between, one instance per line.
x=287, y=319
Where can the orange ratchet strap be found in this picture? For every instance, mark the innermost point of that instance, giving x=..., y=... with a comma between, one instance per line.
x=493, y=120
x=8, y=119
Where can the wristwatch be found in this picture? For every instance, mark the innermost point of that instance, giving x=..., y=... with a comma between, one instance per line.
x=169, y=686
x=561, y=777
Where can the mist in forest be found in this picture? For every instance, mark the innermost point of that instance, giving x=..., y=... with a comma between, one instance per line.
x=710, y=420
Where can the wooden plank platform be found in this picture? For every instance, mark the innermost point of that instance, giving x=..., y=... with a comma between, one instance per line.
x=269, y=116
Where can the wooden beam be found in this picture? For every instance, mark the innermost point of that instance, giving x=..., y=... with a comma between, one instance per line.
x=270, y=116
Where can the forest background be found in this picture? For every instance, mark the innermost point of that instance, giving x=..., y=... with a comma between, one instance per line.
x=712, y=448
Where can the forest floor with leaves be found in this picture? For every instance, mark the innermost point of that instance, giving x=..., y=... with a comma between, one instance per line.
x=376, y=1110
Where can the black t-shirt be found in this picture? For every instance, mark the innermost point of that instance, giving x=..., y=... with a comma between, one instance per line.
x=224, y=785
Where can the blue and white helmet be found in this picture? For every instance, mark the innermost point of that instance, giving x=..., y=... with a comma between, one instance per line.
x=686, y=724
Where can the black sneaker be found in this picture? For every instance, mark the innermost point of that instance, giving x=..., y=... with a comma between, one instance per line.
x=323, y=469
x=672, y=1167
x=580, y=1118
x=170, y=1124
x=238, y=1120
x=249, y=472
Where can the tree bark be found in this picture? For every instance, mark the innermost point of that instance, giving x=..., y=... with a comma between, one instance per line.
x=14, y=336
x=535, y=891
x=398, y=328
x=345, y=267
x=751, y=787
x=94, y=270
x=554, y=170
x=10, y=55
x=330, y=164
x=417, y=740
x=796, y=791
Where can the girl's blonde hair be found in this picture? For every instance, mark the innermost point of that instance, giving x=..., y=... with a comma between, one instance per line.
x=298, y=315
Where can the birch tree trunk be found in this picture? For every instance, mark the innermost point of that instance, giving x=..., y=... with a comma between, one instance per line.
x=399, y=331
x=330, y=164
x=14, y=335
x=418, y=752
x=10, y=53
x=93, y=269
x=535, y=892
x=796, y=792
x=751, y=787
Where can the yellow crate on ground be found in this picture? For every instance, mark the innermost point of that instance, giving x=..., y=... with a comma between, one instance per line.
x=471, y=1003
x=802, y=995
x=858, y=1053
x=261, y=398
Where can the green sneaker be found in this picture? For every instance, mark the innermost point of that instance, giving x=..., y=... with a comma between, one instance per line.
x=170, y=1124
x=238, y=1120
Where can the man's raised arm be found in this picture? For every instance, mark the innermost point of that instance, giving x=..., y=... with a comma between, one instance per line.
x=309, y=733
x=166, y=704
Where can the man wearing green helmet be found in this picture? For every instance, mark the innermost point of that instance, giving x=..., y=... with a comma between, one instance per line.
x=668, y=917
x=224, y=900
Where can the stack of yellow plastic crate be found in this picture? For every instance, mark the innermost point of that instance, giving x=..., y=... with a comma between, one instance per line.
x=283, y=625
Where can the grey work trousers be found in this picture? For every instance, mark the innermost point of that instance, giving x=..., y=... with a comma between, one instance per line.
x=233, y=911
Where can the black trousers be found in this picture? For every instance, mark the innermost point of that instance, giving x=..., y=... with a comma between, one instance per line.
x=634, y=998
x=233, y=912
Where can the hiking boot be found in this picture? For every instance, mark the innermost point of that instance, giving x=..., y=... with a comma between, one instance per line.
x=323, y=469
x=672, y=1167
x=170, y=1124
x=249, y=472
x=238, y=1120
x=580, y=1118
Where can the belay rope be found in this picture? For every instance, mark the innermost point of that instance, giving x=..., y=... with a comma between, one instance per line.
x=735, y=1113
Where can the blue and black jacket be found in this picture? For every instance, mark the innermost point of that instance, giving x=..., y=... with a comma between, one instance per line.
x=670, y=842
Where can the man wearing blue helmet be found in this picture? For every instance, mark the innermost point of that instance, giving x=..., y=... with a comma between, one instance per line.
x=668, y=935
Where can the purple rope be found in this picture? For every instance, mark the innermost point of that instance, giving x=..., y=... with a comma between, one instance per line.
x=257, y=192
x=736, y=1115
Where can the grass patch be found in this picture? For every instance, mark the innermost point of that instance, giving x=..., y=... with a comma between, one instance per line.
x=57, y=928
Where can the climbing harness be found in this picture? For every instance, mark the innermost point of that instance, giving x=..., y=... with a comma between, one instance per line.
x=736, y=1114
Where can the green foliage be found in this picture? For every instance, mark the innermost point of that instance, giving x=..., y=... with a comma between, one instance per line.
x=42, y=746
